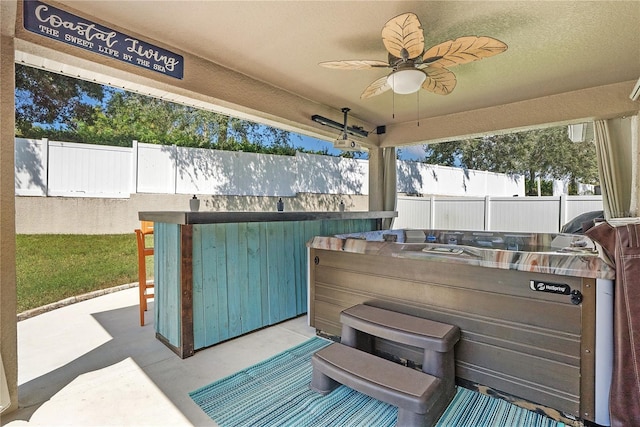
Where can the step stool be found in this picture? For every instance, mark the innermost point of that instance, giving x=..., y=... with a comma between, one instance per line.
x=420, y=397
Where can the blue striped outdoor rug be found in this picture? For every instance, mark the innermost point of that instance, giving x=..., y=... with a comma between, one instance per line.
x=276, y=392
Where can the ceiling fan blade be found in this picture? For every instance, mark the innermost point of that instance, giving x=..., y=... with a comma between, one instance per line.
x=439, y=80
x=376, y=88
x=355, y=64
x=463, y=50
x=403, y=31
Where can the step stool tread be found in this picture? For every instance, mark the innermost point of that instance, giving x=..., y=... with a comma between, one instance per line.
x=401, y=327
x=379, y=378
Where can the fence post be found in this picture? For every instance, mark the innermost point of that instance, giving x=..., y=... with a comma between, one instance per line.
x=133, y=187
x=45, y=165
x=487, y=213
x=563, y=211
x=432, y=212
x=175, y=168
x=297, y=180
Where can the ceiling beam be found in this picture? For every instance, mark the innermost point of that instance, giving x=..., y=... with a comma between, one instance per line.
x=571, y=107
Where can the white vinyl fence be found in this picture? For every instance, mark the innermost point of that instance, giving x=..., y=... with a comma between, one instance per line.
x=51, y=168
x=64, y=169
x=421, y=178
x=518, y=214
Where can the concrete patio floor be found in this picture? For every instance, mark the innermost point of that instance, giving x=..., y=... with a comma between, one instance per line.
x=91, y=364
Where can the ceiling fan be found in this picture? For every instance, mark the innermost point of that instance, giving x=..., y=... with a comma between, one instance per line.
x=414, y=67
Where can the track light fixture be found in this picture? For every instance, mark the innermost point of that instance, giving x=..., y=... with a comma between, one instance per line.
x=351, y=130
x=343, y=141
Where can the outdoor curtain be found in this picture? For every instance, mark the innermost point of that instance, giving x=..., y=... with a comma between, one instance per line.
x=617, y=155
x=617, y=152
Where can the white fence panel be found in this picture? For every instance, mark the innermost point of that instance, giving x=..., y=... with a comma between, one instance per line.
x=413, y=212
x=446, y=181
x=156, y=167
x=204, y=171
x=86, y=170
x=502, y=185
x=361, y=169
x=530, y=214
x=517, y=214
x=331, y=175
x=459, y=213
x=475, y=184
x=410, y=177
x=30, y=167
x=580, y=204
x=561, y=187
x=265, y=175
x=422, y=178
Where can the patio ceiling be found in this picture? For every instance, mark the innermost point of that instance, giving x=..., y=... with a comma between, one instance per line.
x=566, y=61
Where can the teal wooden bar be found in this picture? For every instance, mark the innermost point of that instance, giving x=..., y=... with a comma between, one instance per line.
x=219, y=275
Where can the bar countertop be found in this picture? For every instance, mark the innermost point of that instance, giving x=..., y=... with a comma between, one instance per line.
x=188, y=217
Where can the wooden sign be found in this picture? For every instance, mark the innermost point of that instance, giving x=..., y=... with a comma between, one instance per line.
x=73, y=30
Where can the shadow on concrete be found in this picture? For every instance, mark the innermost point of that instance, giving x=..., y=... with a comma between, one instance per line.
x=128, y=341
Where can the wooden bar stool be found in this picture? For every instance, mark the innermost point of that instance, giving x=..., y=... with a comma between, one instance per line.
x=145, y=287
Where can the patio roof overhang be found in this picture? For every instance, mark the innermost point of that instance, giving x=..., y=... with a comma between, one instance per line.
x=566, y=62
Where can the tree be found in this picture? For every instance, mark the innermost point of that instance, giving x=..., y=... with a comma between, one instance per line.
x=444, y=154
x=52, y=100
x=128, y=116
x=64, y=108
x=542, y=153
x=60, y=107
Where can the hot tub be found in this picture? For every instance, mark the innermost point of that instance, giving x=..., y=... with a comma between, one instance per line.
x=535, y=310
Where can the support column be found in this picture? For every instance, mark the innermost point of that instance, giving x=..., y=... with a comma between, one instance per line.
x=390, y=184
x=8, y=319
x=376, y=179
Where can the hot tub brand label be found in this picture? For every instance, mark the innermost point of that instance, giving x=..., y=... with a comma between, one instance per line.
x=554, y=288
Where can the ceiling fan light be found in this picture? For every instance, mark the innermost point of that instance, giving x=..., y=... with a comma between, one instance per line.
x=406, y=81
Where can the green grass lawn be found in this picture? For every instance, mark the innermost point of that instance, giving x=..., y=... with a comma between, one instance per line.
x=53, y=267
